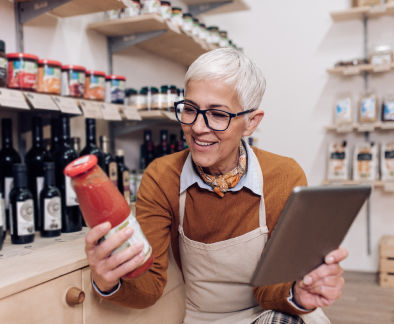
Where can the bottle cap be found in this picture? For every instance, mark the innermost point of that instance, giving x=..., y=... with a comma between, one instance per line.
x=80, y=165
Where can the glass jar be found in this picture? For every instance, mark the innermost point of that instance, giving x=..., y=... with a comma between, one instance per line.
x=100, y=201
x=162, y=97
x=131, y=97
x=203, y=32
x=187, y=23
x=142, y=99
x=150, y=6
x=133, y=9
x=22, y=71
x=49, y=77
x=196, y=27
x=113, y=14
x=3, y=65
x=223, y=42
x=95, y=85
x=176, y=16
x=213, y=35
x=165, y=9
x=115, y=86
x=172, y=96
x=73, y=81
x=153, y=98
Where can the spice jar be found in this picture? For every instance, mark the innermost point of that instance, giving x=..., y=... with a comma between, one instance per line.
x=100, y=201
x=223, y=42
x=22, y=71
x=133, y=9
x=153, y=98
x=172, y=96
x=150, y=6
x=213, y=35
x=162, y=97
x=187, y=23
x=95, y=85
x=196, y=27
x=165, y=9
x=203, y=32
x=142, y=99
x=49, y=76
x=131, y=97
x=176, y=16
x=115, y=86
x=3, y=65
x=73, y=81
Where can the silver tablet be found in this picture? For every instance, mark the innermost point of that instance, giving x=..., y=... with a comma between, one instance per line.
x=313, y=222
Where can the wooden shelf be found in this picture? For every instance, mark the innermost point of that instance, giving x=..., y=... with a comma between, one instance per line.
x=360, y=69
x=360, y=12
x=359, y=127
x=387, y=186
x=236, y=5
x=173, y=44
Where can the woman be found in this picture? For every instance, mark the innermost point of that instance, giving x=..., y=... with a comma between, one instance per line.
x=216, y=204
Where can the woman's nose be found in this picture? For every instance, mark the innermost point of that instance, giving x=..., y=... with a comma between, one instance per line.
x=200, y=125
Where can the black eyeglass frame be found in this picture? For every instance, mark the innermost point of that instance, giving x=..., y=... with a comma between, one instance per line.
x=204, y=111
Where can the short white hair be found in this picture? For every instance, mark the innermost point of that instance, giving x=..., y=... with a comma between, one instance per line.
x=235, y=69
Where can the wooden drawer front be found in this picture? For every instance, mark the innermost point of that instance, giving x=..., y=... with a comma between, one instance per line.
x=44, y=303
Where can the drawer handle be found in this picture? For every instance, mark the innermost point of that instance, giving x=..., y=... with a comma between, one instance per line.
x=74, y=296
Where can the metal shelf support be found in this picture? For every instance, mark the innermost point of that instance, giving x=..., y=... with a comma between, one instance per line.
x=196, y=9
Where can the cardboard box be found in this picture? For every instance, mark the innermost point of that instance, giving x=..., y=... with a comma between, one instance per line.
x=386, y=261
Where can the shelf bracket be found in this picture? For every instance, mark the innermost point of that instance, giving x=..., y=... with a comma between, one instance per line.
x=32, y=9
x=118, y=43
x=196, y=9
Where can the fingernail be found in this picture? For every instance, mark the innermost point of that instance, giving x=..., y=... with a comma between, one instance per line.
x=330, y=259
x=129, y=231
x=307, y=280
x=106, y=225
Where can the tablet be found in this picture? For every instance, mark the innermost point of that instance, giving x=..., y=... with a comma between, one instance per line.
x=313, y=222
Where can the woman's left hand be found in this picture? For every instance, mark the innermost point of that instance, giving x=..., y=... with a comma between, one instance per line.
x=322, y=286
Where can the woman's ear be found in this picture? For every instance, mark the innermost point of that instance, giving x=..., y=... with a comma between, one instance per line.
x=253, y=121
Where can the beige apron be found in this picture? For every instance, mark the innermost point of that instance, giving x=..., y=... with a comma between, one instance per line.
x=218, y=275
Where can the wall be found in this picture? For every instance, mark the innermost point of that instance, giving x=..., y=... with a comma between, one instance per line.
x=293, y=42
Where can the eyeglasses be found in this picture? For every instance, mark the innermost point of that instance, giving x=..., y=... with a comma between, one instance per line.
x=215, y=119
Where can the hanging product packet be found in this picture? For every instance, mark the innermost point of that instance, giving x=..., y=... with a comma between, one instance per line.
x=388, y=109
x=365, y=162
x=338, y=161
x=368, y=110
x=387, y=161
x=343, y=111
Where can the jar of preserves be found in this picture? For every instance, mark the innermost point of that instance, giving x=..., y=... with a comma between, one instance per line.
x=95, y=85
x=131, y=97
x=172, y=96
x=49, y=76
x=196, y=27
x=165, y=9
x=176, y=16
x=115, y=86
x=100, y=201
x=223, y=41
x=133, y=9
x=142, y=99
x=213, y=35
x=153, y=98
x=187, y=25
x=73, y=81
x=3, y=65
x=203, y=32
x=150, y=6
x=22, y=71
x=162, y=101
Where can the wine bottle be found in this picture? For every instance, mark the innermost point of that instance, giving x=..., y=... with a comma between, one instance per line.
x=71, y=216
x=55, y=136
x=180, y=144
x=21, y=208
x=50, y=202
x=3, y=229
x=110, y=166
x=76, y=144
x=148, y=148
x=172, y=143
x=91, y=146
x=123, y=175
x=34, y=160
x=164, y=146
x=8, y=157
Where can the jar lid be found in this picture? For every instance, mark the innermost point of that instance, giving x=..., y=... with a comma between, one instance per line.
x=144, y=90
x=165, y=3
x=115, y=77
x=202, y=25
x=80, y=165
x=2, y=46
x=177, y=9
x=164, y=88
x=74, y=67
x=130, y=92
x=22, y=55
x=50, y=62
x=154, y=90
x=187, y=15
x=195, y=20
x=92, y=72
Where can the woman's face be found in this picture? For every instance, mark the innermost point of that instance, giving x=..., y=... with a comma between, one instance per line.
x=215, y=151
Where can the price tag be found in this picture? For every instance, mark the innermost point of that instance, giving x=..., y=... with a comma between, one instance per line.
x=131, y=113
x=381, y=67
x=351, y=70
x=91, y=109
x=170, y=115
x=346, y=128
x=67, y=105
x=13, y=99
x=110, y=111
x=366, y=127
x=388, y=186
x=41, y=101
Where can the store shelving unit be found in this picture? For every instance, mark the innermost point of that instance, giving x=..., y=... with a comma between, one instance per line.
x=361, y=127
x=387, y=186
x=360, y=69
x=196, y=7
x=361, y=12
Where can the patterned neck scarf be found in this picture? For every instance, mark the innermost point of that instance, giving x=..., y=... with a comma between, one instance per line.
x=223, y=183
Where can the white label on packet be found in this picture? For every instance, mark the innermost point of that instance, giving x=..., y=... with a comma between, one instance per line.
x=52, y=214
x=71, y=196
x=138, y=235
x=25, y=217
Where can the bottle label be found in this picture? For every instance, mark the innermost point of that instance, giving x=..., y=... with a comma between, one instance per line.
x=39, y=186
x=52, y=214
x=25, y=217
x=8, y=185
x=138, y=235
x=3, y=68
x=113, y=172
x=71, y=196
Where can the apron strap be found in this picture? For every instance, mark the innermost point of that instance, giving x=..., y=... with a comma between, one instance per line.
x=182, y=200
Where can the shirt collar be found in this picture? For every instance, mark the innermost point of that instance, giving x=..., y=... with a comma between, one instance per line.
x=250, y=179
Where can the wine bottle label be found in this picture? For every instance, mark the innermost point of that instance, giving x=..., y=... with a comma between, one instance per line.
x=138, y=235
x=8, y=185
x=71, y=196
x=113, y=172
x=52, y=214
x=39, y=186
x=25, y=217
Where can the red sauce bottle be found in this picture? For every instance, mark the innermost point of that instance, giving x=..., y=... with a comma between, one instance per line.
x=100, y=201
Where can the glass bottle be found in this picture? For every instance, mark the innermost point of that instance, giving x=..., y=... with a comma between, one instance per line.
x=21, y=208
x=110, y=166
x=91, y=146
x=164, y=146
x=147, y=149
x=55, y=136
x=123, y=176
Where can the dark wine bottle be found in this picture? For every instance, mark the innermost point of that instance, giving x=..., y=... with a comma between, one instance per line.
x=110, y=166
x=3, y=229
x=71, y=216
x=148, y=149
x=91, y=146
x=55, y=136
x=50, y=202
x=123, y=175
x=21, y=208
x=8, y=157
x=180, y=144
x=172, y=143
x=34, y=160
x=164, y=146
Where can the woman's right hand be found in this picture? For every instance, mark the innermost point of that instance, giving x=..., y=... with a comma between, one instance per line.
x=107, y=269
